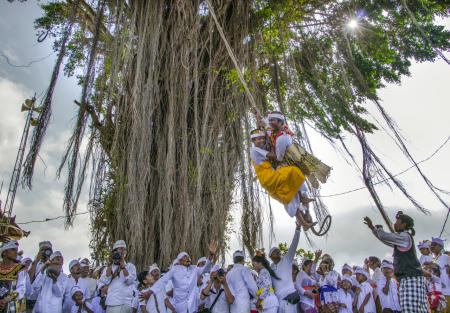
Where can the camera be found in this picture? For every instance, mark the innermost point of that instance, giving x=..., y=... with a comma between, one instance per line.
x=48, y=252
x=314, y=291
x=221, y=272
x=117, y=255
x=52, y=271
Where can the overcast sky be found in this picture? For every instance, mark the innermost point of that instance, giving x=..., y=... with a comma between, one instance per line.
x=420, y=105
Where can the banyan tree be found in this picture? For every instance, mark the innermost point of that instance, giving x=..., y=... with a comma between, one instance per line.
x=164, y=116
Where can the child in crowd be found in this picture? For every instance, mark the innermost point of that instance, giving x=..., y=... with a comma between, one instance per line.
x=388, y=289
x=426, y=256
x=364, y=302
x=373, y=263
x=80, y=305
x=436, y=299
x=152, y=305
x=345, y=295
x=136, y=308
x=98, y=303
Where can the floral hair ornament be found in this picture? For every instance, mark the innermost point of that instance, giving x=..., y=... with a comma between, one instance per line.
x=260, y=253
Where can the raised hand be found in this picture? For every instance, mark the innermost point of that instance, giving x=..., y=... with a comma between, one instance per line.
x=368, y=222
x=212, y=247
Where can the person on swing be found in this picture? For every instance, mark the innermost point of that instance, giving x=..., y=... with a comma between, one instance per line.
x=284, y=184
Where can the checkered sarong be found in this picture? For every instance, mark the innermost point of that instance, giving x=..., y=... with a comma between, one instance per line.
x=413, y=295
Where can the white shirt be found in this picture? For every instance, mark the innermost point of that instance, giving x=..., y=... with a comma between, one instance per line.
x=301, y=281
x=75, y=308
x=221, y=305
x=347, y=299
x=92, y=286
x=365, y=290
x=443, y=261
x=95, y=304
x=285, y=286
x=259, y=156
x=49, y=295
x=29, y=290
x=282, y=143
x=400, y=239
x=151, y=304
x=373, y=281
x=426, y=258
x=120, y=288
x=68, y=302
x=433, y=284
x=390, y=300
x=185, y=291
x=240, y=278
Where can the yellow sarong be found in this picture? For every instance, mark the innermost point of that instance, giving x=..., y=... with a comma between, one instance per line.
x=282, y=184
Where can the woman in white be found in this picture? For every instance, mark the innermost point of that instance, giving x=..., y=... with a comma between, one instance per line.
x=373, y=263
x=307, y=287
x=327, y=278
x=267, y=300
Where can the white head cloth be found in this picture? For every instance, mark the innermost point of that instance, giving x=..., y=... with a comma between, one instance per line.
x=239, y=253
x=55, y=254
x=305, y=259
x=439, y=241
x=119, y=244
x=84, y=262
x=387, y=264
x=12, y=244
x=181, y=255
x=276, y=115
x=423, y=245
x=73, y=263
x=260, y=133
x=215, y=268
x=294, y=262
x=347, y=267
x=47, y=244
x=75, y=289
x=100, y=285
x=98, y=268
x=202, y=259
x=154, y=267
x=360, y=270
x=347, y=278
x=272, y=250
x=26, y=260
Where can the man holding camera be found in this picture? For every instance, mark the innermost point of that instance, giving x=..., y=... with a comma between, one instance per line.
x=240, y=279
x=184, y=278
x=120, y=276
x=45, y=251
x=284, y=287
x=217, y=293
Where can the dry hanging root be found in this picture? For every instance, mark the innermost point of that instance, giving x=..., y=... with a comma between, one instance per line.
x=326, y=224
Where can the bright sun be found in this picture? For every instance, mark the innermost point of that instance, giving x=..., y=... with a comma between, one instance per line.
x=353, y=24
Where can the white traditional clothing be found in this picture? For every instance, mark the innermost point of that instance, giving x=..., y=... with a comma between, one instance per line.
x=240, y=278
x=443, y=261
x=185, y=291
x=303, y=283
x=83, y=310
x=347, y=299
x=92, y=283
x=390, y=300
x=95, y=304
x=68, y=302
x=221, y=305
x=120, y=288
x=285, y=286
x=426, y=258
x=373, y=281
x=365, y=290
x=265, y=291
x=49, y=295
x=156, y=302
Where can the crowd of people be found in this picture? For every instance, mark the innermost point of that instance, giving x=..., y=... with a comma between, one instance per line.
x=272, y=283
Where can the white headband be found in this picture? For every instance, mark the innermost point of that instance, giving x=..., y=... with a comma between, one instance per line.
x=276, y=115
x=272, y=250
x=257, y=135
x=238, y=253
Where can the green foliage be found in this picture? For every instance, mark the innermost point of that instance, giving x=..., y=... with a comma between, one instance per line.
x=299, y=254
